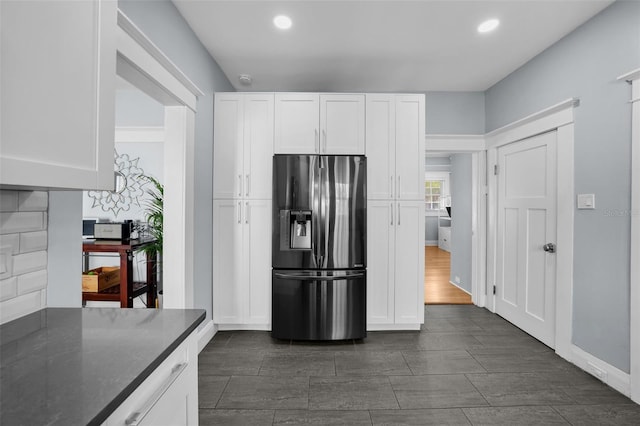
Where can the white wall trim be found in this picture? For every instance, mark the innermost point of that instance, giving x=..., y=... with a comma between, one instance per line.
x=539, y=122
x=454, y=143
x=614, y=377
x=634, y=296
x=431, y=243
x=630, y=76
x=139, y=134
x=460, y=288
x=250, y=327
x=558, y=117
x=205, y=334
x=140, y=62
x=141, y=39
x=392, y=327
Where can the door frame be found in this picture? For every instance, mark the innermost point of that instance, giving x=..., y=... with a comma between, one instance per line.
x=560, y=118
x=634, y=303
x=142, y=64
x=474, y=145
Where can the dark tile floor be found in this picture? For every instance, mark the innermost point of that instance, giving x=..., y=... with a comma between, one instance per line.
x=466, y=366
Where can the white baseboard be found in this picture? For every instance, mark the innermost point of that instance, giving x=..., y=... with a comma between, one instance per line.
x=393, y=327
x=205, y=334
x=431, y=243
x=612, y=376
x=247, y=327
x=457, y=285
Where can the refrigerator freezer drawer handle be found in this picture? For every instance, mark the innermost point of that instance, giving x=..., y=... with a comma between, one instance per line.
x=315, y=278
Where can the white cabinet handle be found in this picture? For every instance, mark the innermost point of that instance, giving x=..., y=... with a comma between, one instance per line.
x=391, y=209
x=398, y=214
x=239, y=185
x=135, y=418
x=248, y=185
x=239, y=212
x=246, y=212
x=324, y=137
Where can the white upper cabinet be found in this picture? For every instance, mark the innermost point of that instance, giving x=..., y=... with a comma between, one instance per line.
x=312, y=123
x=395, y=146
x=342, y=128
x=243, y=146
x=58, y=70
x=296, y=123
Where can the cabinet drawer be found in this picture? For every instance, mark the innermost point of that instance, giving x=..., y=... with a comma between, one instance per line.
x=168, y=391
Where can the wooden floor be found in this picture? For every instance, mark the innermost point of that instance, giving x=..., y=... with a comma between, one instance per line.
x=437, y=272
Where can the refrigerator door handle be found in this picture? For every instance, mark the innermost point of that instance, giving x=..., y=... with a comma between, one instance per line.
x=398, y=214
x=391, y=210
x=304, y=277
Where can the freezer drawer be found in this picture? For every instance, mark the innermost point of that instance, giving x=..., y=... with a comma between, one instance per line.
x=319, y=305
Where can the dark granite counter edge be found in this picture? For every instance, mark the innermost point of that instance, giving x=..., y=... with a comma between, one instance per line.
x=103, y=415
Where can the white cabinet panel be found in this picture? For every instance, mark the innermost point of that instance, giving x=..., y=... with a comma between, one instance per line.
x=242, y=262
x=381, y=153
x=409, y=265
x=58, y=94
x=410, y=150
x=395, y=262
x=258, y=145
x=380, y=262
x=243, y=145
x=312, y=123
x=342, y=124
x=257, y=248
x=297, y=123
x=227, y=147
x=227, y=261
x=395, y=146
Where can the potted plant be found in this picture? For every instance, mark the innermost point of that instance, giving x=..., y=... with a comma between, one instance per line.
x=154, y=217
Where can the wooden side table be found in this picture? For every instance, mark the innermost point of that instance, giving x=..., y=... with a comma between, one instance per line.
x=128, y=289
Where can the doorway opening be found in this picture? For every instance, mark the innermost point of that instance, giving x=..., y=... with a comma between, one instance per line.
x=448, y=189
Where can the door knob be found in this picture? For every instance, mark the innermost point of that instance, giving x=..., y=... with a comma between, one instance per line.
x=549, y=248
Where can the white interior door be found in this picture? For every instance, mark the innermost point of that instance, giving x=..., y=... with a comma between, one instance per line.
x=526, y=270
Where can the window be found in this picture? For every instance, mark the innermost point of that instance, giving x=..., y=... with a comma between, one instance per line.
x=436, y=192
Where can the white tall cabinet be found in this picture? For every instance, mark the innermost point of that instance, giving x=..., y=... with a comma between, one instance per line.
x=243, y=151
x=57, y=106
x=395, y=211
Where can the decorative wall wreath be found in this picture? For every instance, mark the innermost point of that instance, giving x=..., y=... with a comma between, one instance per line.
x=128, y=187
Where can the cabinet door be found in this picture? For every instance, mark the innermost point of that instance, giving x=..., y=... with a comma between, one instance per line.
x=410, y=150
x=380, y=262
x=228, y=176
x=297, y=117
x=258, y=145
x=409, y=262
x=228, y=285
x=58, y=93
x=342, y=127
x=257, y=266
x=381, y=129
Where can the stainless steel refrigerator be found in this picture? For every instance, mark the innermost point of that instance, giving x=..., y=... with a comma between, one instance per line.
x=319, y=247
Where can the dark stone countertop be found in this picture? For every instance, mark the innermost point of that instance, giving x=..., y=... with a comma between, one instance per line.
x=75, y=366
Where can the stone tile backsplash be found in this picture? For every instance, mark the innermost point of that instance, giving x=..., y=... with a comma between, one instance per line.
x=23, y=252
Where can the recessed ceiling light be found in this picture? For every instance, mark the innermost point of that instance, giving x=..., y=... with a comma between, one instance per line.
x=282, y=21
x=488, y=25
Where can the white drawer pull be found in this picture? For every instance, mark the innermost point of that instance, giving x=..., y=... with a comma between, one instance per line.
x=135, y=418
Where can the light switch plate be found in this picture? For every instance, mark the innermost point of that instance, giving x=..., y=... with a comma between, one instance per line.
x=586, y=201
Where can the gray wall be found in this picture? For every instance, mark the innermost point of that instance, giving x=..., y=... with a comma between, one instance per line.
x=585, y=64
x=456, y=113
x=461, y=210
x=164, y=25
x=136, y=108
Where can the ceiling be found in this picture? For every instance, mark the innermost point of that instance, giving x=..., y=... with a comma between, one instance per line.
x=379, y=46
